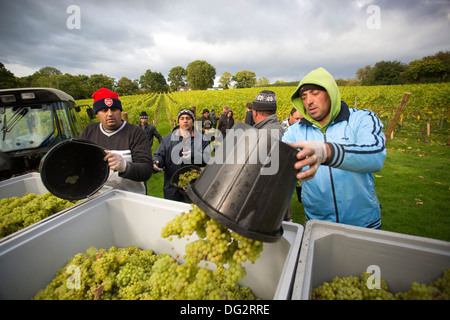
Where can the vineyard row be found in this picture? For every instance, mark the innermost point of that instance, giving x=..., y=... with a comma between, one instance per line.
x=427, y=101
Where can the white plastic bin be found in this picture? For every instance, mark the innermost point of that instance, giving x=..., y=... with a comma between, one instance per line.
x=118, y=218
x=31, y=183
x=330, y=249
x=18, y=186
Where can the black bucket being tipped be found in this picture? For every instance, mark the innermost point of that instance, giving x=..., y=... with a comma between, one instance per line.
x=248, y=185
x=182, y=187
x=74, y=169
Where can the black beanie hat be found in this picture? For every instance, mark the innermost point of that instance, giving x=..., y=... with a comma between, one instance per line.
x=310, y=86
x=265, y=101
x=189, y=112
x=143, y=115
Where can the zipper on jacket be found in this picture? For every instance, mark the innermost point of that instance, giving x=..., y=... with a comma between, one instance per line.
x=332, y=186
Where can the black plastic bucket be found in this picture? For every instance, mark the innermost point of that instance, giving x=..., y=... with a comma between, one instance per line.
x=239, y=194
x=74, y=169
x=176, y=176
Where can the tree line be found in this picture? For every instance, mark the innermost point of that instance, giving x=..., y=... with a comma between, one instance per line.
x=200, y=75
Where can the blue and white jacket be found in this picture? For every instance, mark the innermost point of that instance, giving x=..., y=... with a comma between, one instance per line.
x=343, y=189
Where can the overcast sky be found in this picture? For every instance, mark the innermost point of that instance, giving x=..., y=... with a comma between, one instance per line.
x=276, y=39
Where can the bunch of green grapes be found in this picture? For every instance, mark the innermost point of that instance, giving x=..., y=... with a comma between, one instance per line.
x=355, y=288
x=133, y=274
x=217, y=243
x=437, y=290
x=351, y=288
x=17, y=213
x=186, y=224
x=183, y=179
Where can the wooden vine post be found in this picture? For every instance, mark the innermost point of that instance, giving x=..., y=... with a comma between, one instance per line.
x=397, y=115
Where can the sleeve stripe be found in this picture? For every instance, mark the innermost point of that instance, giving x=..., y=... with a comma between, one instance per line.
x=337, y=155
x=379, y=141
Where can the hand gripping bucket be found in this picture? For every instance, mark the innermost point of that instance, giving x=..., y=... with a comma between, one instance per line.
x=247, y=196
x=74, y=169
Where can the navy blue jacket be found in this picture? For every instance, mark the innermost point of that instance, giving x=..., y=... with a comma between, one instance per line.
x=170, y=157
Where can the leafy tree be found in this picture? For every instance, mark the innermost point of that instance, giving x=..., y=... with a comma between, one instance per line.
x=177, y=78
x=153, y=82
x=97, y=81
x=76, y=86
x=429, y=69
x=225, y=80
x=262, y=81
x=382, y=73
x=388, y=72
x=363, y=75
x=47, y=71
x=7, y=78
x=145, y=79
x=200, y=75
x=127, y=87
x=245, y=79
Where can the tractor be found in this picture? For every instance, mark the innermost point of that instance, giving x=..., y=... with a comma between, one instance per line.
x=32, y=121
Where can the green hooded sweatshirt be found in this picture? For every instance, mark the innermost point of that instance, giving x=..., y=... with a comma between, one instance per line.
x=324, y=79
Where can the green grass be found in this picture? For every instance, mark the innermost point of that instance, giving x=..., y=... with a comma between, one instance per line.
x=156, y=182
x=413, y=187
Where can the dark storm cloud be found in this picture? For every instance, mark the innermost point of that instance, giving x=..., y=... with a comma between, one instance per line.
x=279, y=40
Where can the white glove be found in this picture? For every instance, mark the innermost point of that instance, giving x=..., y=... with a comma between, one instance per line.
x=116, y=162
x=186, y=153
x=312, y=154
x=156, y=167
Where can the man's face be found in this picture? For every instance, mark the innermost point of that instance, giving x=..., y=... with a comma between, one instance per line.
x=206, y=115
x=110, y=118
x=186, y=122
x=318, y=104
x=293, y=118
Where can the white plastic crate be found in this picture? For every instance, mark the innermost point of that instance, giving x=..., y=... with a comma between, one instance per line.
x=118, y=218
x=31, y=183
x=330, y=249
x=18, y=186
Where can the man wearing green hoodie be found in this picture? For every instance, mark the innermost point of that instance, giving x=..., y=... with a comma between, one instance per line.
x=340, y=148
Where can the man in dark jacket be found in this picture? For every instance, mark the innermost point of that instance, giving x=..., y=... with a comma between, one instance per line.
x=149, y=129
x=265, y=116
x=265, y=112
x=128, y=152
x=249, y=115
x=184, y=146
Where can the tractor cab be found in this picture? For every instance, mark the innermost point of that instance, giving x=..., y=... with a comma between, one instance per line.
x=32, y=121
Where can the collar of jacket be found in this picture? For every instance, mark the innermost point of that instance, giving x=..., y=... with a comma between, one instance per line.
x=270, y=119
x=343, y=115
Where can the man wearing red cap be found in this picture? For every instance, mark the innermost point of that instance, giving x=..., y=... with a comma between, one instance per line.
x=128, y=149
